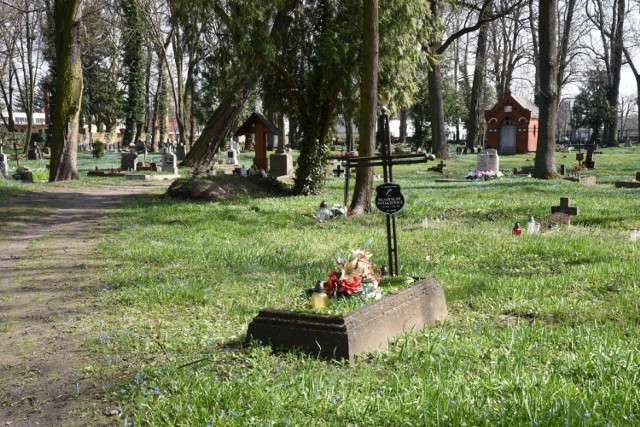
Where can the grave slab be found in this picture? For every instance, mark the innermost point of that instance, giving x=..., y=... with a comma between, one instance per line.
x=366, y=329
x=589, y=180
x=152, y=177
x=107, y=173
x=627, y=184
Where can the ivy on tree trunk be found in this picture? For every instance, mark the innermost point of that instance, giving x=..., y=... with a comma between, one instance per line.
x=69, y=92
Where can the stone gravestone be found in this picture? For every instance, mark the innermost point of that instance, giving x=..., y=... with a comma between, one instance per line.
x=23, y=174
x=34, y=153
x=627, y=141
x=565, y=207
x=129, y=161
x=4, y=164
x=181, y=152
x=232, y=154
x=488, y=161
x=281, y=161
x=563, y=212
x=169, y=161
x=589, y=163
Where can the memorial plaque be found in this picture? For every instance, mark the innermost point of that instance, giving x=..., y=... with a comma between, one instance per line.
x=389, y=198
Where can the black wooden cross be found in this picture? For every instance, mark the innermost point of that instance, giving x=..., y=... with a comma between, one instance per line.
x=564, y=207
x=387, y=161
x=15, y=151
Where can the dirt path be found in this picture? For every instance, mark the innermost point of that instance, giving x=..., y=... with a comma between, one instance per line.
x=45, y=262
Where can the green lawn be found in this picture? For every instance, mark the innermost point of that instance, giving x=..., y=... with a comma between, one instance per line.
x=542, y=329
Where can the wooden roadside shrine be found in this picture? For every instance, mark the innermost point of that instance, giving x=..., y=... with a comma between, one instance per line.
x=259, y=125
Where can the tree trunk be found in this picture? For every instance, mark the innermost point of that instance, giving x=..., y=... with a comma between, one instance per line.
x=200, y=157
x=475, y=136
x=436, y=108
x=361, y=200
x=436, y=101
x=544, y=166
x=69, y=92
x=535, y=49
x=310, y=173
x=404, y=113
x=613, y=91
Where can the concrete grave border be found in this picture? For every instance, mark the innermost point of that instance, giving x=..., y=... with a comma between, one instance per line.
x=368, y=328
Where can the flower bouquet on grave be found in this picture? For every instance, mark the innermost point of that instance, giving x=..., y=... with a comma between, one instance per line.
x=577, y=169
x=484, y=174
x=356, y=274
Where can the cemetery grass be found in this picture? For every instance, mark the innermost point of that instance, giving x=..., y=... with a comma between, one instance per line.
x=542, y=329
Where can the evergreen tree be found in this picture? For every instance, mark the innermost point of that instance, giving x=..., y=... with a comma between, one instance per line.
x=592, y=108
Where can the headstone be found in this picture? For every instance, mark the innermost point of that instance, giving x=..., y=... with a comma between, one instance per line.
x=170, y=161
x=129, y=161
x=438, y=168
x=23, y=174
x=588, y=162
x=281, y=164
x=232, y=156
x=488, y=161
x=181, y=152
x=627, y=141
x=4, y=165
x=564, y=207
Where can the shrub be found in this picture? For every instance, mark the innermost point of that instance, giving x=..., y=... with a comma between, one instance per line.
x=98, y=149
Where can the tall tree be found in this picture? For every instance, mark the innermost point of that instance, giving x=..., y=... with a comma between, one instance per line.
x=591, y=107
x=480, y=14
x=69, y=91
x=133, y=67
x=544, y=165
x=636, y=74
x=508, y=48
x=609, y=18
x=251, y=55
x=27, y=67
x=476, y=100
x=11, y=19
x=361, y=200
x=102, y=102
x=436, y=102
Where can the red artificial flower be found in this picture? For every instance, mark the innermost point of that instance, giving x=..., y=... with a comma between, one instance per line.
x=350, y=286
x=332, y=283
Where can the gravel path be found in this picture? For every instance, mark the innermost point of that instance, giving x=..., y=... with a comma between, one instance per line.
x=46, y=247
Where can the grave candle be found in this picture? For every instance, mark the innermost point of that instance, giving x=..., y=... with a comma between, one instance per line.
x=516, y=229
x=532, y=227
x=323, y=213
x=319, y=299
